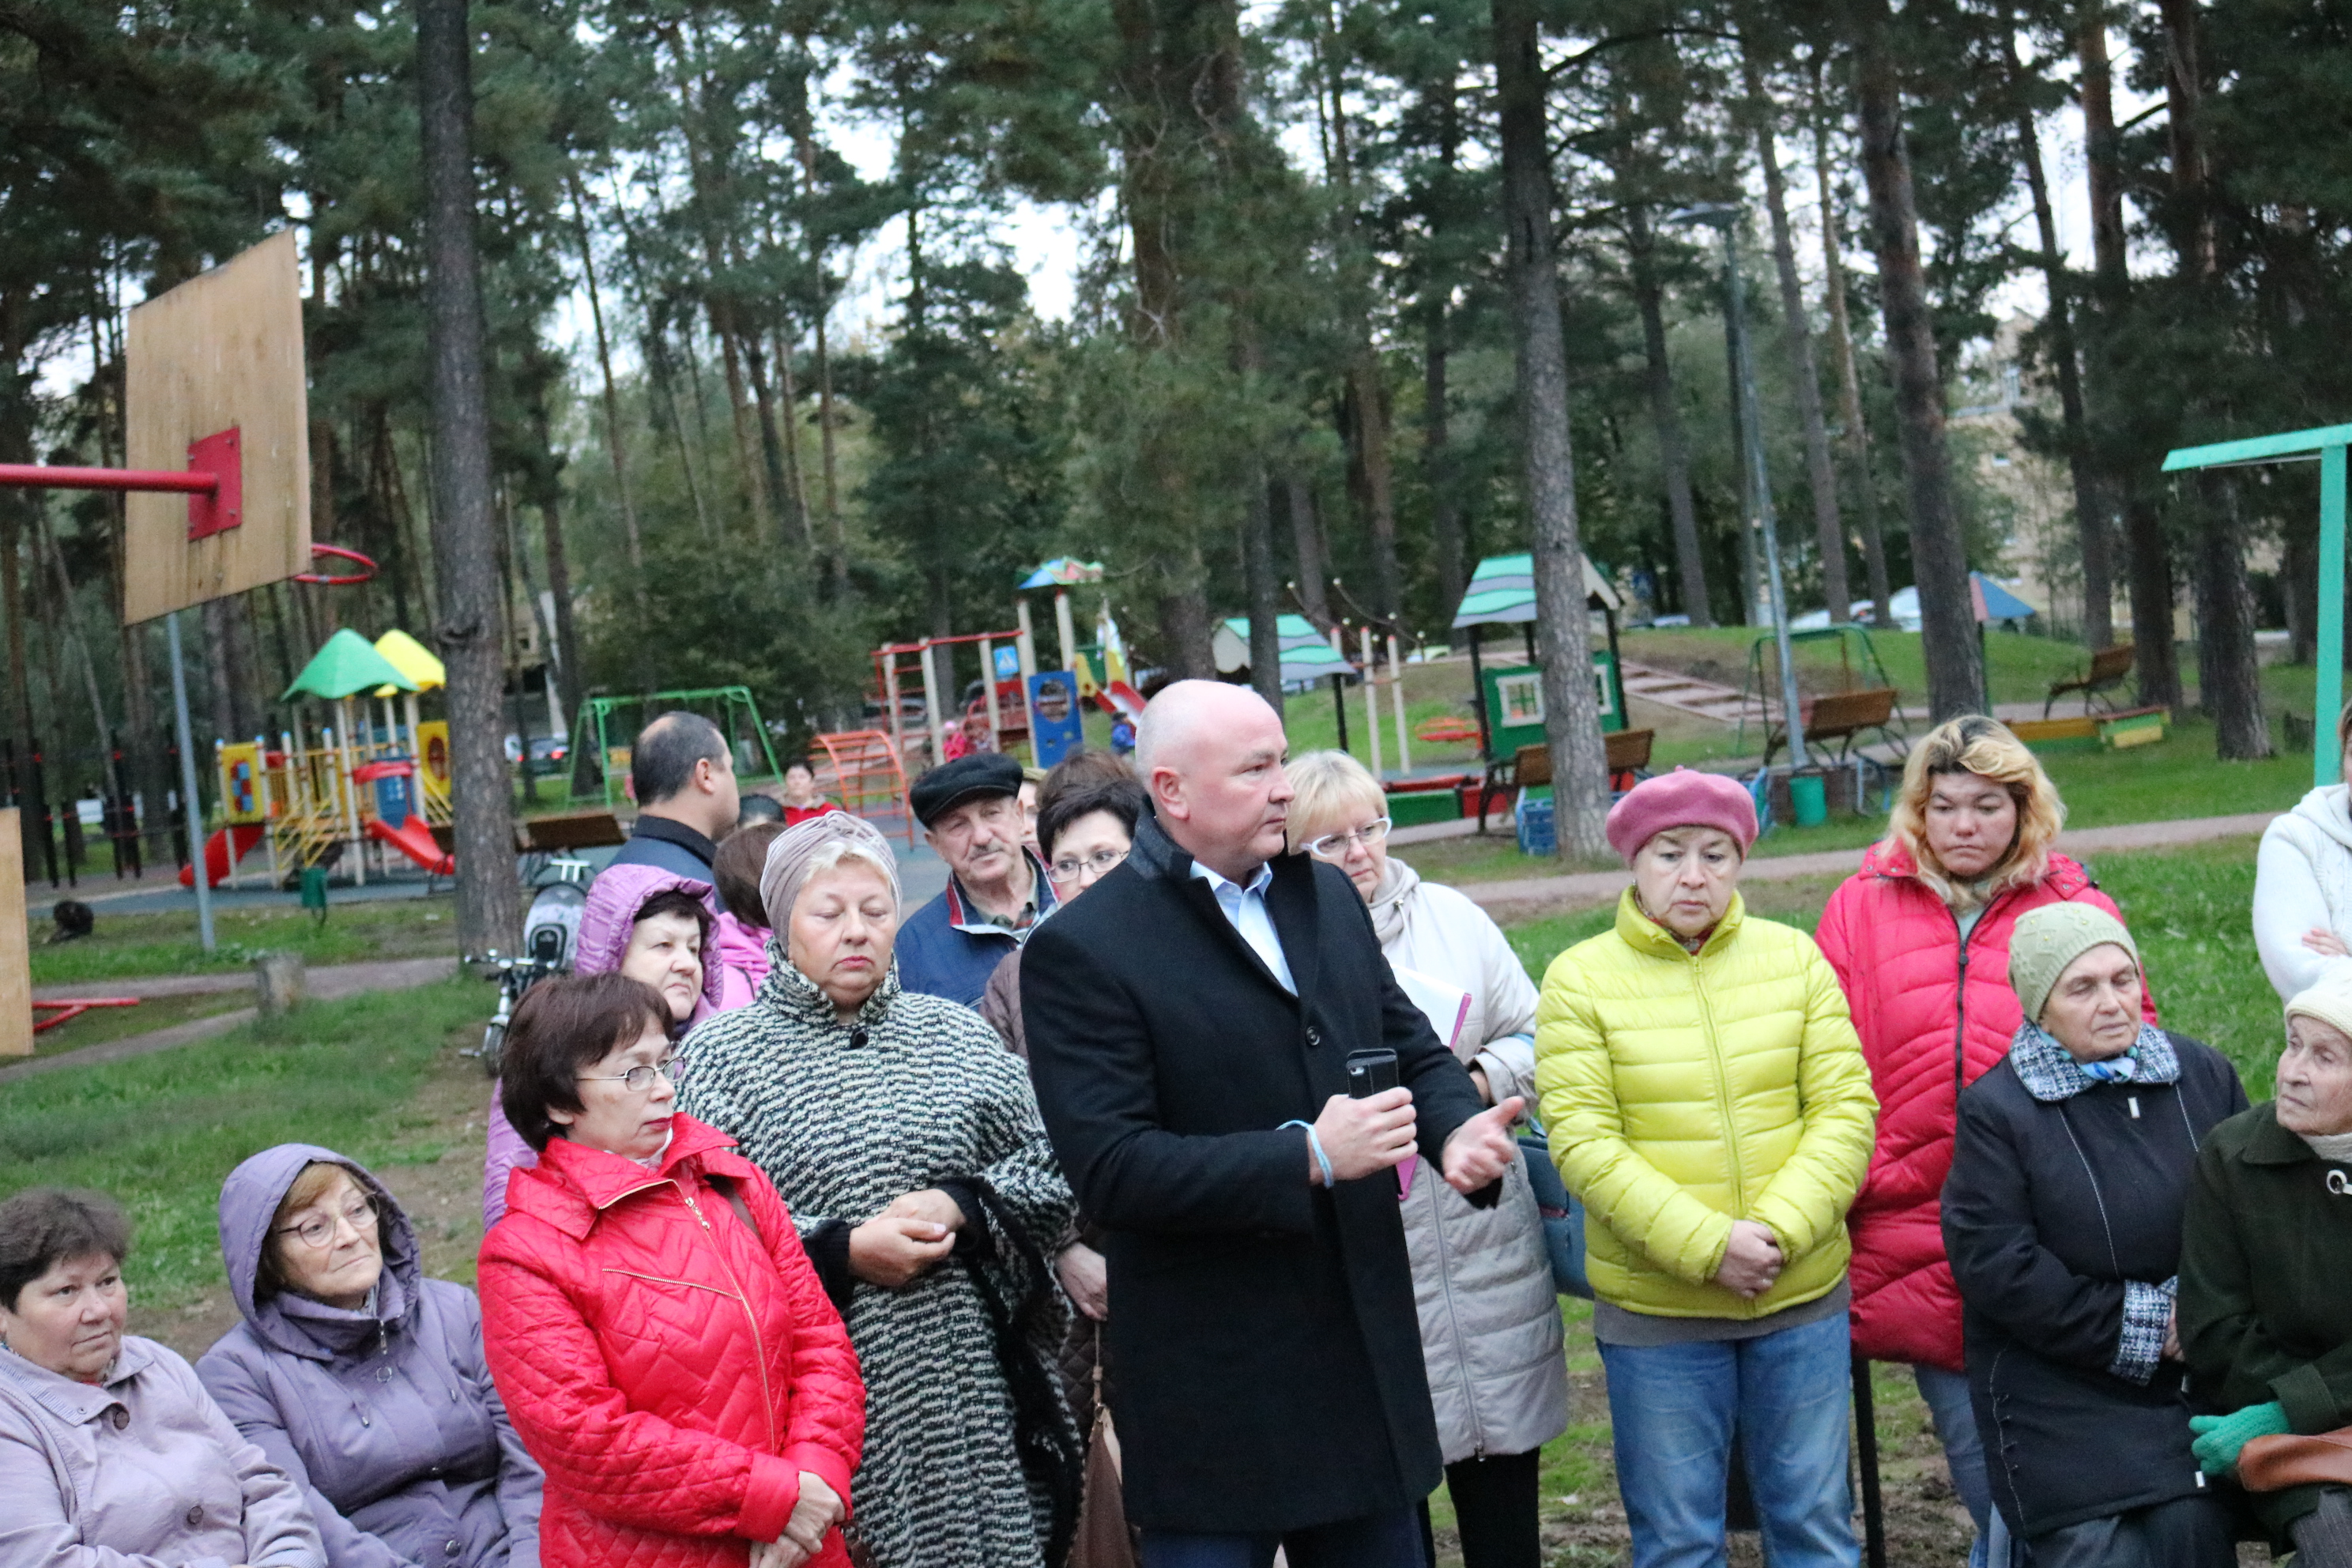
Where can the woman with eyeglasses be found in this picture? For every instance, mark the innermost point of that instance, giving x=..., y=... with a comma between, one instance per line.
x=1490, y=1329
x=663, y=1343
x=361, y=1378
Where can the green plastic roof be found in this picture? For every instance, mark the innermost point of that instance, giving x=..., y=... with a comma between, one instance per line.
x=1501, y=592
x=1305, y=656
x=346, y=666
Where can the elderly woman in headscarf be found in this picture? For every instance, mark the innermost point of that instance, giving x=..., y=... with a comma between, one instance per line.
x=908, y=1144
x=2062, y=1217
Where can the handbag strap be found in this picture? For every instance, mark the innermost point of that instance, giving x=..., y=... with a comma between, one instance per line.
x=734, y=1196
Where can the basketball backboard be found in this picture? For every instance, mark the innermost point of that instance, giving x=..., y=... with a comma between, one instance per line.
x=215, y=379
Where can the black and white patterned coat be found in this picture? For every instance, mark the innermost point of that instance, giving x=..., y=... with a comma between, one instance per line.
x=915, y=1092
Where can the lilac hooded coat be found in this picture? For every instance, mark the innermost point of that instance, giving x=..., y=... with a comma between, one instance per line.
x=613, y=900
x=386, y=1417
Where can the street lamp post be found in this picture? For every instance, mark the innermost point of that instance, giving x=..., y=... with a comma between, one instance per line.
x=1724, y=218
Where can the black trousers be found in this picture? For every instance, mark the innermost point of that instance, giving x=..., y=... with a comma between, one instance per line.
x=2187, y=1532
x=1495, y=1509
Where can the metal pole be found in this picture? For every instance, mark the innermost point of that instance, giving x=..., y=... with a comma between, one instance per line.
x=1396, y=700
x=1371, y=696
x=1873, y=1503
x=2326, y=758
x=1751, y=419
x=189, y=812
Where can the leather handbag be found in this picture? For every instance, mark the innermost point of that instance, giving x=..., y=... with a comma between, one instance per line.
x=2276, y=1463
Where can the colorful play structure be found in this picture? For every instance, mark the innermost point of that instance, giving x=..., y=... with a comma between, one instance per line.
x=370, y=784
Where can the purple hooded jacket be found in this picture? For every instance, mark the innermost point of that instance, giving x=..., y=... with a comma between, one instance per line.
x=611, y=912
x=386, y=1417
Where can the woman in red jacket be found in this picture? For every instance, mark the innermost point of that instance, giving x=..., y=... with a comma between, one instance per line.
x=1920, y=938
x=662, y=1343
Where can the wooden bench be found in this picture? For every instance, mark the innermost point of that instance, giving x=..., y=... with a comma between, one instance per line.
x=1628, y=758
x=1841, y=717
x=2110, y=668
x=567, y=830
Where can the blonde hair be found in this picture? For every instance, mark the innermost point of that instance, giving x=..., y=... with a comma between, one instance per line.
x=1985, y=747
x=313, y=1182
x=1323, y=786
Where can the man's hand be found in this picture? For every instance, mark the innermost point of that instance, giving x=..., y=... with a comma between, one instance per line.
x=1085, y=1276
x=1482, y=1148
x=1361, y=1136
x=890, y=1249
x=2219, y=1438
x=2319, y=939
x=2171, y=1351
x=929, y=1203
x=818, y=1510
x=1751, y=1260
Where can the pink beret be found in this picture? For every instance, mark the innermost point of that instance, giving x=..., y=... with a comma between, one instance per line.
x=1680, y=799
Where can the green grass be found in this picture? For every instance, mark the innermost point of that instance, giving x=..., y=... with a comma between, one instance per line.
x=2020, y=667
x=353, y=933
x=101, y=1024
x=161, y=1132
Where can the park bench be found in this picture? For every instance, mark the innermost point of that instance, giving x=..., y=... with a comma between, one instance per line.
x=2110, y=668
x=1841, y=717
x=1628, y=761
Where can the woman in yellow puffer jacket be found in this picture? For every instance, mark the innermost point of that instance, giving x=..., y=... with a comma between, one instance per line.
x=1708, y=1103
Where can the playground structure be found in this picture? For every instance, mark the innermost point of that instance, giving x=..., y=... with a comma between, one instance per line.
x=927, y=665
x=606, y=728
x=331, y=798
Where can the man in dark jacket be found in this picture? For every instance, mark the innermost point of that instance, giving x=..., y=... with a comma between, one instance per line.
x=2266, y=1274
x=684, y=780
x=972, y=816
x=1190, y=1024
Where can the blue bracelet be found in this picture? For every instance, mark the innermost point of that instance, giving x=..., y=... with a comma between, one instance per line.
x=1315, y=1147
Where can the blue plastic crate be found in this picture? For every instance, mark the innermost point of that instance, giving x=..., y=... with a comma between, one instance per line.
x=1537, y=835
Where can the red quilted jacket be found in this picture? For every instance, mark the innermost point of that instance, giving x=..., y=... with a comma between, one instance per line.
x=673, y=1372
x=1932, y=1018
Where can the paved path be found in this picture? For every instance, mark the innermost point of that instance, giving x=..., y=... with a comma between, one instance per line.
x=327, y=985
x=1584, y=887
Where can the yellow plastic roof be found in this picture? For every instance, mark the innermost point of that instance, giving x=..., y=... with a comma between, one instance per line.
x=412, y=659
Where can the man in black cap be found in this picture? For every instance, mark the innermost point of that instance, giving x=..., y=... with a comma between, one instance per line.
x=971, y=813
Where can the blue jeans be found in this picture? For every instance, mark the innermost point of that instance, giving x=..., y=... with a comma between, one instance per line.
x=1390, y=1540
x=1946, y=1394
x=1674, y=1408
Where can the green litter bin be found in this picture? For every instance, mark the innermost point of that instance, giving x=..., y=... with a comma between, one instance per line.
x=314, y=891
x=1809, y=795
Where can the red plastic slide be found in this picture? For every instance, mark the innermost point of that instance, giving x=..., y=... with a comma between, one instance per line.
x=217, y=859
x=414, y=838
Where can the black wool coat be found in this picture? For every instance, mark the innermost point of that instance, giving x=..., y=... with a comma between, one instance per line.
x=2049, y=1208
x=1263, y=1347
x=2266, y=1286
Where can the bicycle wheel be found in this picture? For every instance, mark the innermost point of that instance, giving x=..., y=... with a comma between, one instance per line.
x=494, y=1044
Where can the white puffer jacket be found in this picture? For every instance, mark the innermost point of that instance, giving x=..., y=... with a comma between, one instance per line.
x=1490, y=1328
x=2303, y=879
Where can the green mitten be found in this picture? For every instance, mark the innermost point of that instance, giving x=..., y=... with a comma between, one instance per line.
x=2222, y=1436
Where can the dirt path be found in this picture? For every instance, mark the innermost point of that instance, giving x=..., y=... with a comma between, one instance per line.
x=327, y=985
x=1536, y=895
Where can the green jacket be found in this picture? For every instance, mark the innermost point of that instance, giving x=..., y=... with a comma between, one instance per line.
x=2265, y=1309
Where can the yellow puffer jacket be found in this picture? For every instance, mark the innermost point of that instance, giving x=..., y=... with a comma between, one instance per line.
x=1683, y=1092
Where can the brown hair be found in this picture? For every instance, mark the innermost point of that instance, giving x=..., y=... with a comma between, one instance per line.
x=563, y=1026
x=742, y=856
x=1985, y=747
x=43, y=1226
x=311, y=1183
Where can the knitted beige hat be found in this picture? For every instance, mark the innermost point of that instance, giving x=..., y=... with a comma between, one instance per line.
x=2330, y=1001
x=2046, y=939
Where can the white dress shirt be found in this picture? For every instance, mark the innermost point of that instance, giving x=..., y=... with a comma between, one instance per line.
x=1245, y=906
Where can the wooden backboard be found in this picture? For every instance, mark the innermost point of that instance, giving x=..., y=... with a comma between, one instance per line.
x=222, y=350
x=15, y=939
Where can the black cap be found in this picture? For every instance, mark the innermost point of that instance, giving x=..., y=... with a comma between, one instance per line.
x=949, y=785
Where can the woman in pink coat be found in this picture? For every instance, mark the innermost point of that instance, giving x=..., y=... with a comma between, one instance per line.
x=1920, y=938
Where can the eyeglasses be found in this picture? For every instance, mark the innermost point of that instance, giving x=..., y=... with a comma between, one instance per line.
x=319, y=1229
x=1332, y=846
x=640, y=1079
x=1071, y=868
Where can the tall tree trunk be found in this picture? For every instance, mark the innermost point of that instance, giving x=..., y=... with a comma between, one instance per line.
x=1437, y=452
x=1821, y=474
x=571, y=683
x=771, y=446
x=1948, y=623
x=2148, y=559
x=1857, y=429
x=465, y=540
x=2228, y=670
x=45, y=542
x=2090, y=501
x=1306, y=546
x=1743, y=505
x=1571, y=707
x=1264, y=588
x=614, y=444
x=1674, y=444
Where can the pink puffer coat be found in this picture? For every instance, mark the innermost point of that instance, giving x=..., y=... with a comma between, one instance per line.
x=1934, y=1015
